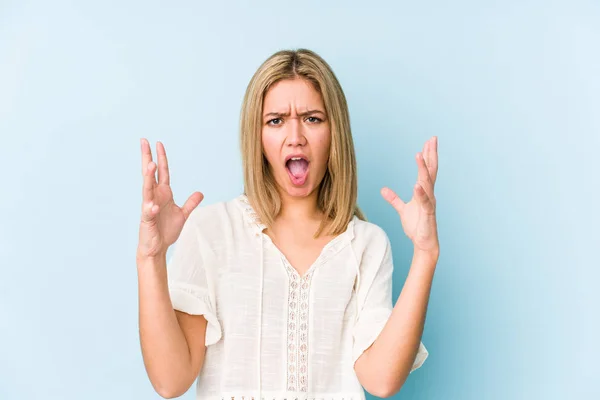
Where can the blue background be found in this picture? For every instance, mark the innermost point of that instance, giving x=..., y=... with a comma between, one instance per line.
x=511, y=88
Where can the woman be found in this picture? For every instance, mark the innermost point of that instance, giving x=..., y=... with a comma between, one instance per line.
x=284, y=292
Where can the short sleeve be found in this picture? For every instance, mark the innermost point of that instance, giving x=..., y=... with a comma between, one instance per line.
x=374, y=299
x=190, y=282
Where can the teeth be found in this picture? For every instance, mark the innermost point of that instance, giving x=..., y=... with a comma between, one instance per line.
x=296, y=158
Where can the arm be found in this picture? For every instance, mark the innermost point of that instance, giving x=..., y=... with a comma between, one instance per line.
x=387, y=363
x=383, y=368
x=172, y=342
x=174, y=309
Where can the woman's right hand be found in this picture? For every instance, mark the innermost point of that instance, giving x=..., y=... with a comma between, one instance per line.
x=162, y=220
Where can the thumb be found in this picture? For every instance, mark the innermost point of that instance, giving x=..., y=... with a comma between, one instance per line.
x=391, y=197
x=191, y=203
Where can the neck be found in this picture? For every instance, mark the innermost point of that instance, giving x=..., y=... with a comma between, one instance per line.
x=299, y=208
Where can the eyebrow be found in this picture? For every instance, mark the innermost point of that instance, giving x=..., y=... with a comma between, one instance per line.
x=308, y=112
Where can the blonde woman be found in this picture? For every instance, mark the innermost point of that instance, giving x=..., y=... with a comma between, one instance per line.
x=284, y=292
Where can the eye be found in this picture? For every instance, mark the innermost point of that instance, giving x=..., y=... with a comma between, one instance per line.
x=314, y=119
x=274, y=121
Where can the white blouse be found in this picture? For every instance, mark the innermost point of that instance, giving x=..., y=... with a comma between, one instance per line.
x=273, y=334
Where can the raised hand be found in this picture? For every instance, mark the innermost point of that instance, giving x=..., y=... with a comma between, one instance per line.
x=418, y=215
x=162, y=220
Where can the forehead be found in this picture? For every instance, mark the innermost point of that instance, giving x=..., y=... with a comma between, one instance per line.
x=298, y=93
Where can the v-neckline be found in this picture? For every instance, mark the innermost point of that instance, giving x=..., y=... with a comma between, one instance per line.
x=317, y=261
x=259, y=228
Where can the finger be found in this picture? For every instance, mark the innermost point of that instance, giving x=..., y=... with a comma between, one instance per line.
x=146, y=154
x=163, y=164
x=423, y=199
x=149, y=211
x=423, y=175
x=434, y=160
x=149, y=183
x=191, y=203
x=426, y=149
x=391, y=197
x=428, y=156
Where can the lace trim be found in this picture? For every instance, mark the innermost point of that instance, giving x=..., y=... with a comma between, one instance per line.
x=252, y=216
x=297, y=338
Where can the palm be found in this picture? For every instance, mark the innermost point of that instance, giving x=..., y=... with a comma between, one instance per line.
x=171, y=219
x=410, y=218
x=418, y=215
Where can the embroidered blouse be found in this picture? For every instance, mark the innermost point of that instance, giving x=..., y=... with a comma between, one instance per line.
x=273, y=334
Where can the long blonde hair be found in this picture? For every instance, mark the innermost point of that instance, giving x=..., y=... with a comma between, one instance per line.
x=338, y=191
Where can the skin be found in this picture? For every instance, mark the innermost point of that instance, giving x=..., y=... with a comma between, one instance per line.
x=172, y=341
x=383, y=368
x=418, y=216
x=294, y=121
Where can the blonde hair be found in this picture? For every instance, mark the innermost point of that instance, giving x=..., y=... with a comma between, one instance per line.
x=338, y=191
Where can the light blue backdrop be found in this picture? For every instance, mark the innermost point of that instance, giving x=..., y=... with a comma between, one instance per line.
x=512, y=89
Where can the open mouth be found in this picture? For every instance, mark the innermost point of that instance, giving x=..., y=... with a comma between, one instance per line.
x=297, y=168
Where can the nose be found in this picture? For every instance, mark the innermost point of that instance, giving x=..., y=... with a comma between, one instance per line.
x=295, y=136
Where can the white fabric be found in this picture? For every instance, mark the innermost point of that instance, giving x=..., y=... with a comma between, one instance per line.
x=271, y=333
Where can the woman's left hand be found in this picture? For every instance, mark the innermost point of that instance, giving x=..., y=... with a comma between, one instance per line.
x=418, y=216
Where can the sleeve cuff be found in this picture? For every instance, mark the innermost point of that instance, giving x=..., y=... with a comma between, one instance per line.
x=363, y=340
x=421, y=356
x=195, y=301
x=366, y=332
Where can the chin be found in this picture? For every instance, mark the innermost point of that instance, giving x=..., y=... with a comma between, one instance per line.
x=299, y=191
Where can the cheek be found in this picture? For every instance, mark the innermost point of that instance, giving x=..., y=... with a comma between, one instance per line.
x=324, y=146
x=269, y=145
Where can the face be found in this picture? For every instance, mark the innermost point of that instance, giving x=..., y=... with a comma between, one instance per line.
x=296, y=136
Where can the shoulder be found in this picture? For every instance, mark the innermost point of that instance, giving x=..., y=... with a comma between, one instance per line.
x=373, y=252
x=215, y=217
x=370, y=236
x=371, y=246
